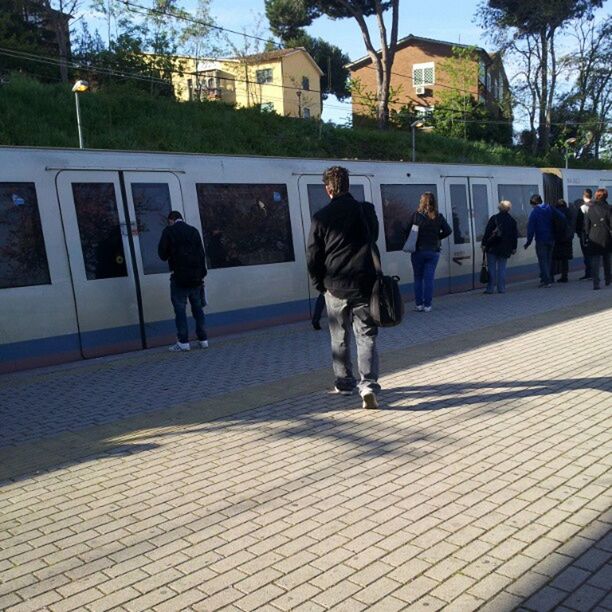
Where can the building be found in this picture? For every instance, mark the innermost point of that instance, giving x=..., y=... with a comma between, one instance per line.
x=418, y=76
x=286, y=81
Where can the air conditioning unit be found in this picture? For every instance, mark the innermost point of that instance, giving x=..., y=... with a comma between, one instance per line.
x=420, y=90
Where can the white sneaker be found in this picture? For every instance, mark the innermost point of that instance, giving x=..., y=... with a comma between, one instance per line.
x=369, y=400
x=180, y=347
x=419, y=308
x=203, y=344
x=427, y=309
x=343, y=391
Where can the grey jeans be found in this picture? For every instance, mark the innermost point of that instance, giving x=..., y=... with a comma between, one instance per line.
x=340, y=314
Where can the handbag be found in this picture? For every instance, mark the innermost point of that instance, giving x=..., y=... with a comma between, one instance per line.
x=411, y=242
x=386, y=304
x=484, y=273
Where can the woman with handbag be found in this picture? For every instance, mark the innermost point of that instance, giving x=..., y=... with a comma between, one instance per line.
x=499, y=242
x=426, y=231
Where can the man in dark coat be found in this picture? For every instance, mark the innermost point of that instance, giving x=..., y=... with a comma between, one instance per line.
x=499, y=242
x=581, y=207
x=341, y=266
x=597, y=224
x=564, y=237
x=181, y=245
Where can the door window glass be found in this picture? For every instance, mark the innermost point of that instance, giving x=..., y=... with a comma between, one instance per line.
x=152, y=205
x=245, y=224
x=318, y=198
x=23, y=259
x=574, y=192
x=480, y=202
x=461, y=217
x=399, y=205
x=98, y=220
x=519, y=195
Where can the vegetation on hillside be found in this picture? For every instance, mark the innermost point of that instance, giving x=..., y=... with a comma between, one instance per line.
x=37, y=114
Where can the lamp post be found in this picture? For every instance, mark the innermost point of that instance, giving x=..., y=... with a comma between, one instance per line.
x=569, y=142
x=79, y=87
x=413, y=126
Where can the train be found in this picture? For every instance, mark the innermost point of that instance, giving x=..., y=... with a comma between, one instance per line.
x=79, y=273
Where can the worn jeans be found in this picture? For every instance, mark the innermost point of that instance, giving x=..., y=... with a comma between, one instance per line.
x=424, y=267
x=596, y=261
x=497, y=273
x=341, y=313
x=179, y=296
x=544, y=251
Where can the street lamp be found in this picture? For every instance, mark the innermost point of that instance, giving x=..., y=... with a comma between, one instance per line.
x=569, y=142
x=79, y=87
x=413, y=126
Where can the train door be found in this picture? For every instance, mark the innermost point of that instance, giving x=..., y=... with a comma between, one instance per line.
x=150, y=196
x=103, y=276
x=469, y=211
x=313, y=197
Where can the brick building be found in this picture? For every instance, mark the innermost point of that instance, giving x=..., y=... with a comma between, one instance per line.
x=419, y=77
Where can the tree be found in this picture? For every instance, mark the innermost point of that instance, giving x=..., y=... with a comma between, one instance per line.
x=288, y=15
x=517, y=20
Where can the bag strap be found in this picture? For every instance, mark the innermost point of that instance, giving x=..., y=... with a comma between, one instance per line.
x=375, y=256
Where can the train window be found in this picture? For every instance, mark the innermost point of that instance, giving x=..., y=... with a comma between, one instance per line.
x=399, y=204
x=245, y=224
x=152, y=205
x=461, y=215
x=480, y=202
x=23, y=260
x=574, y=192
x=98, y=220
x=318, y=198
x=519, y=195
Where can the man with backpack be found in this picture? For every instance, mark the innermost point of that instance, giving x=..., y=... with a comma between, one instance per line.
x=181, y=245
x=340, y=263
x=598, y=233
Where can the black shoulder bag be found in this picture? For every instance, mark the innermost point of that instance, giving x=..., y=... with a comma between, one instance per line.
x=386, y=304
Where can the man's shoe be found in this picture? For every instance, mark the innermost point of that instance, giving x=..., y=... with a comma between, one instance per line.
x=316, y=325
x=585, y=277
x=343, y=391
x=485, y=292
x=369, y=400
x=426, y=308
x=203, y=344
x=563, y=279
x=419, y=308
x=547, y=286
x=180, y=347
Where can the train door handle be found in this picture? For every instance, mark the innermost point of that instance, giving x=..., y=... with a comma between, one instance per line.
x=459, y=259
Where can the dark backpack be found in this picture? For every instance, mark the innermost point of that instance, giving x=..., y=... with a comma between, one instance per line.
x=600, y=233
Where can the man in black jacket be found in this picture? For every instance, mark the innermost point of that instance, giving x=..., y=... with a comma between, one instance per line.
x=181, y=245
x=581, y=208
x=341, y=266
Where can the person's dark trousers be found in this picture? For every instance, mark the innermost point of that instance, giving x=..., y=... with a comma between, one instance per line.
x=587, y=262
x=544, y=252
x=179, y=296
x=424, y=268
x=318, y=310
x=596, y=261
x=564, y=269
x=340, y=314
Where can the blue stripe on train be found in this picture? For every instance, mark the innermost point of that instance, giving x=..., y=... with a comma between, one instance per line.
x=58, y=349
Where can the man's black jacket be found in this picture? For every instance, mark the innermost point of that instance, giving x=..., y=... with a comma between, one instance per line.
x=339, y=256
x=181, y=245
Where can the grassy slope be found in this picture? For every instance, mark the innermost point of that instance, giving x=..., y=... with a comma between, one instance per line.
x=36, y=114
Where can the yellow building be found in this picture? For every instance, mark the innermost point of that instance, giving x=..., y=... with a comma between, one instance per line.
x=287, y=81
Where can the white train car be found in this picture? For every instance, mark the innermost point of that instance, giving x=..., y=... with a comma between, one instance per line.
x=79, y=272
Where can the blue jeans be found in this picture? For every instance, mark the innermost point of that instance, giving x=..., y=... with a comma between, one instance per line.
x=424, y=266
x=544, y=251
x=341, y=313
x=179, y=296
x=497, y=273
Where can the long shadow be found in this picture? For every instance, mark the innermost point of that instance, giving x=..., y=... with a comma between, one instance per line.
x=100, y=442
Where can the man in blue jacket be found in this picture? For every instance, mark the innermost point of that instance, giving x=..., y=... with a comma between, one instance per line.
x=540, y=226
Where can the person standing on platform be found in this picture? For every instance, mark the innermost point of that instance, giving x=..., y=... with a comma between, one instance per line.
x=564, y=237
x=499, y=242
x=181, y=246
x=598, y=232
x=340, y=265
x=582, y=207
